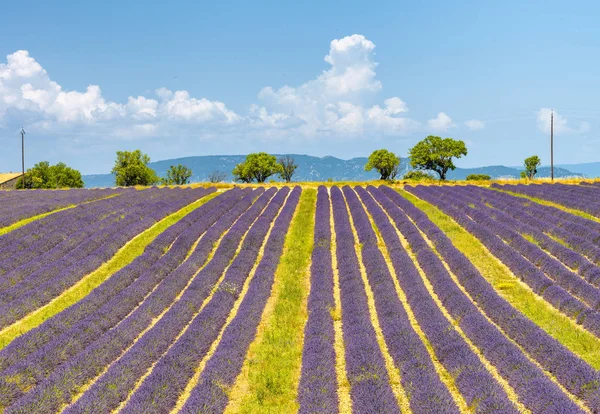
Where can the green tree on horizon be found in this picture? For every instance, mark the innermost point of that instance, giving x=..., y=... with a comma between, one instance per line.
x=131, y=168
x=257, y=166
x=385, y=162
x=531, y=164
x=435, y=154
x=177, y=175
x=46, y=176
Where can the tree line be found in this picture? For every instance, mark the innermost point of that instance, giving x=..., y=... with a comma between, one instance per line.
x=432, y=155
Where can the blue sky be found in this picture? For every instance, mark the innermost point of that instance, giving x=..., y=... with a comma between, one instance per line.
x=324, y=78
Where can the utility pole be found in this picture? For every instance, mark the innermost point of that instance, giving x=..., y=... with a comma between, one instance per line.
x=23, y=157
x=552, y=145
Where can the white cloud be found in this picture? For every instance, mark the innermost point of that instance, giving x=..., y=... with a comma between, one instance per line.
x=475, y=125
x=26, y=87
x=332, y=104
x=560, y=123
x=442, y=122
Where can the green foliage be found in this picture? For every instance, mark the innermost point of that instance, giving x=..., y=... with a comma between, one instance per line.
x=531, y=165
x=177, y=175
x=417, y=176
x=385, y=162
x=131, y=168
x=566, y=331
x=134, y=248
x=435, y=154
x=288, y=167
x=44, y=175
x=258, y=166
x=478, y=177
x=275, y=357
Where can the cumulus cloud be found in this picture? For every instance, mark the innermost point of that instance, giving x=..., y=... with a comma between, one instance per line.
x=560, y=123
x=332, y=104
x=26, y=87
x=442, y=122
x=475, y=125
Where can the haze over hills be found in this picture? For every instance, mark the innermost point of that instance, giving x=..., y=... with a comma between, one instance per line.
x=323, y=168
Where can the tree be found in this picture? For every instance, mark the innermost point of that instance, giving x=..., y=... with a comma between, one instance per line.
x=217, y=176
x=258, y=166
x=531, y=165
x=435, y=154
x=177, y=175
x=478, y=177
x=131, y=168
x=241, y=172
x=288, y=168
x=44, y=175
x=385, y=162
x=417, y=176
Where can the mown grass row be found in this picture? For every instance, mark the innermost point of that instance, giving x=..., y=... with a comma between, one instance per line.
x=21, y=223
x=566, y=331
x=269, y=379
x=122, y=258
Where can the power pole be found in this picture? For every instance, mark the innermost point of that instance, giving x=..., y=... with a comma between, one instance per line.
x=23, y=157
x=552, y=145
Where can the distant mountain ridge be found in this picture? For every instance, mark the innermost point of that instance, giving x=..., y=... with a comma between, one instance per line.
x=323, y=168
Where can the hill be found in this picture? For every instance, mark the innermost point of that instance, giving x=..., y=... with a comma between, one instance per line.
x=312, y=168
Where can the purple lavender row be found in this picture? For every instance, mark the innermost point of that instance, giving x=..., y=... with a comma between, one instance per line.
x=478, y=387
x=61, y=228
x=160, y=390
x=74, y=339
x=32, y=203
x=317, y=390
x=39, y=236
x=534, y=389
x=582, y=253
x=427, y=394
x=14, y=210
x=114, y=386
x=520, y=266
x=506, y=209
x=570, y=371
x=558, y=194
x=94, y=256
x=144, y=265
x=511, y=231
x=576, y=236
x=210, y=395
x=74, y=248
x=565, y=285
x=366, y=372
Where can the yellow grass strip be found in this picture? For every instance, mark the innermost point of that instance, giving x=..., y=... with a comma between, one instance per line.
x=340, y=352
x=516, y=292
x=232, y=314
x=122, y=258
x=442, y=372
x=512, y=394
x=28, y=220
x=153, y=322
x=202, y=306
x=269, y=378
x=393, y=371
x=549, y=203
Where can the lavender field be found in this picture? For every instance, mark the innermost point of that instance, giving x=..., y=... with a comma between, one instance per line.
x=425, y=299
